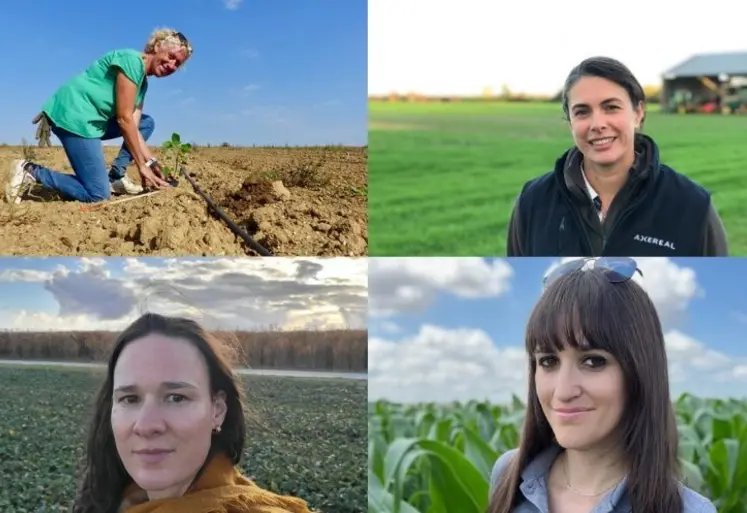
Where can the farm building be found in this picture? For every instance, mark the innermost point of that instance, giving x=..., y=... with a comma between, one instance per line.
x=711, y=83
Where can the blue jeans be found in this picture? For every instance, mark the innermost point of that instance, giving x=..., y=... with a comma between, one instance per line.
x=91, y=180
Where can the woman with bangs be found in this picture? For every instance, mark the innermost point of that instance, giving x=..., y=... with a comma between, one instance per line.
x=600, y=433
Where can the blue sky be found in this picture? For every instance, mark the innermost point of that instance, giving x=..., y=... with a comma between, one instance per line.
x=96, y=293
x=263, y=73
x=435, y=323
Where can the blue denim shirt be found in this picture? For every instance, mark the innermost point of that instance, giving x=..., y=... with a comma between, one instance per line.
x=534, y=488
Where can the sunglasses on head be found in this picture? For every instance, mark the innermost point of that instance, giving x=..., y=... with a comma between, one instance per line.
x=184, y=42
x=615, y=269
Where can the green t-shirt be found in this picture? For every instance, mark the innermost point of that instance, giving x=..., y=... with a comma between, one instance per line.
x=86, y=103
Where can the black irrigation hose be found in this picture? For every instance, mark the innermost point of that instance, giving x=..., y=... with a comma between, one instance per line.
x=233, y=226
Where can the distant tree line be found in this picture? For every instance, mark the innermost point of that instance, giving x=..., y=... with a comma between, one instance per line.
x=653, y=95
x=340, y=350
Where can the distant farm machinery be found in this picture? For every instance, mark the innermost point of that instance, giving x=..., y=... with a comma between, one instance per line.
x=709, y=98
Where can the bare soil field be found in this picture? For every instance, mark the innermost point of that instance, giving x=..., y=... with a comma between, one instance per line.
x=292, y=201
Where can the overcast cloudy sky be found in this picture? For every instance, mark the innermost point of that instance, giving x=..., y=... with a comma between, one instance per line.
x=240, y=293
x=459, y=48
x=445, y=329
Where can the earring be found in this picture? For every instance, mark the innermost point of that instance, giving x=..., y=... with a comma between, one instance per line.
x=216, y=430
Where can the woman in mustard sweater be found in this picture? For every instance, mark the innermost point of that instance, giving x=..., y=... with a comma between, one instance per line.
x=104, y=102
x=168, y=429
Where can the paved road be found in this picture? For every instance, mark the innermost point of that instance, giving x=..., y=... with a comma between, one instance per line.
x=251, y=372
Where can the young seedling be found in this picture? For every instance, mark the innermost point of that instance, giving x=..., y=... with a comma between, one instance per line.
x=178, y=151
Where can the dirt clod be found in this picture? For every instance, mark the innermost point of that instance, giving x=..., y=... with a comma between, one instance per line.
x=294, y=201
x=280, y=191
x=147, y=232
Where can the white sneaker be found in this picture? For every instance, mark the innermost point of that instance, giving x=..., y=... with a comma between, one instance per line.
x=125, y=186
x=18, y=181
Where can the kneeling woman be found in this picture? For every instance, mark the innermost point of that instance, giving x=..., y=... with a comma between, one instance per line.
x=104, y=102
x=600, y=432
x=168, y=429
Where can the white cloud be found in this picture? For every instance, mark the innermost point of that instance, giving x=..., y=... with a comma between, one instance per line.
x=671, y=287
x=403, y=285
x=23, y=275
x=390, y=327
x=687, y=351
x=83, y=264
x=90, y=292
x=232, y=5
x=24, y=320
x=740, y=372
x=233, y=293
x=441, y=365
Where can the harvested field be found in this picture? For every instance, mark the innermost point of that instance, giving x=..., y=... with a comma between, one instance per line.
x=293, y=201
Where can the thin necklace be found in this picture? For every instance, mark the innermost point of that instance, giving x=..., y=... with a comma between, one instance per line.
x=568, y=484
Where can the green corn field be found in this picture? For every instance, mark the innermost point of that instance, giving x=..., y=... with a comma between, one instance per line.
x=435, y=458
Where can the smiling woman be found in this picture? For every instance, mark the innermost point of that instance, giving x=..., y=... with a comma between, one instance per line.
x=599, y=426
x=168, y=429
x=610, y=195
x=104, y=102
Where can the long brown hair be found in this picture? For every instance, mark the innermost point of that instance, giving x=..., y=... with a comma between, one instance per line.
x=104, y=478
x=584, y=310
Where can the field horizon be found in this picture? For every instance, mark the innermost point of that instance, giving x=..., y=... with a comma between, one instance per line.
x=343, y=350
x=515, y=400
x=224, y=146
x=447, y=174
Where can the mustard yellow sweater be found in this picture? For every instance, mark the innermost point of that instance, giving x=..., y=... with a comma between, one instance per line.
x=220, y=489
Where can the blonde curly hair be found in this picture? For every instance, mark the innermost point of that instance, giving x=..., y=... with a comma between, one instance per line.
x=167, y=37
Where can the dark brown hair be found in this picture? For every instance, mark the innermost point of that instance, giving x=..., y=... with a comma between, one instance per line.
x=104, y=478
x=584, y=310
x=610, y=69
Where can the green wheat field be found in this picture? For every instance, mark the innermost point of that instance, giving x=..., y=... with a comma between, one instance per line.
x=438, y=458
x=444, y=176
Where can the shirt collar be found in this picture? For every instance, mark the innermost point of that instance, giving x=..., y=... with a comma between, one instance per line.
x=592, y=193
x=595, y=199
x=534, y=483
